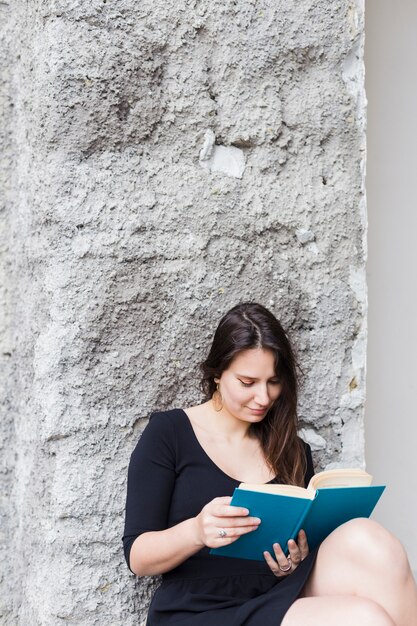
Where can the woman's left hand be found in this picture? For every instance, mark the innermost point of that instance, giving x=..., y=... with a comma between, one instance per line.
x=282, y=565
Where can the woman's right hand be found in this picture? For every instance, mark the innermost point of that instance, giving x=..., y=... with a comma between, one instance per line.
x=219, y=524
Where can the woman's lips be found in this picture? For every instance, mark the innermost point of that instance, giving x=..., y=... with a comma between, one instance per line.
x=257, y=411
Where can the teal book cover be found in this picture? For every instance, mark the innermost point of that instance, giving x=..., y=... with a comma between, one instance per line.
x=283, y=516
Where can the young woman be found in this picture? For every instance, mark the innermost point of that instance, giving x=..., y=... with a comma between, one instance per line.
x=183, y=472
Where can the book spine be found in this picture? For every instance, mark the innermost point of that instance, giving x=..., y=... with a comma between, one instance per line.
x=298, y=526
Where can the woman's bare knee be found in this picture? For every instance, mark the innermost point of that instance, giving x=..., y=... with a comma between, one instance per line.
x=357, y=551
x=365, y=538
x=340, y=610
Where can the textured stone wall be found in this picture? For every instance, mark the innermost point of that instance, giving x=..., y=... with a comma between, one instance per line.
x=160, y=162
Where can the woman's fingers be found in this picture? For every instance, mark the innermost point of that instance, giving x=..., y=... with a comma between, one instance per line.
x=303, y=544
x=219, y=523
x=294, y=553
x=283, y=565
x=237, y=516
x=280, y=566
x=220, y=507
x=220, y=500
x=230, y=534
x=273, y=566
x=235, y=522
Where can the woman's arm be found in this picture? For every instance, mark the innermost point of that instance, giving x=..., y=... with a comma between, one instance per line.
x=150, y=547
x=157, y=552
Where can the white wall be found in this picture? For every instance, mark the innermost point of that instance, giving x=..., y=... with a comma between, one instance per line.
x=391, y=413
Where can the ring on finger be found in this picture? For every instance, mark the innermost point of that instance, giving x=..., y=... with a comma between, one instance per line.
x=287, y=567
x=222, y=533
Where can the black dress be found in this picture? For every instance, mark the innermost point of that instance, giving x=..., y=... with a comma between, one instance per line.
x=171, y=478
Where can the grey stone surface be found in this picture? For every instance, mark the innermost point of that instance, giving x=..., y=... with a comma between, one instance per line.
x=226, y=159
x=119, y=253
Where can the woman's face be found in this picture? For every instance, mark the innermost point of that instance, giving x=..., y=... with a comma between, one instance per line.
x=250, y=386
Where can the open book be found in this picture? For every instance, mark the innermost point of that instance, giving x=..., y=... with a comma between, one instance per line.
x=332, y=498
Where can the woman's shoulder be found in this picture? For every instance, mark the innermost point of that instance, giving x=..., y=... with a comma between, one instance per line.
x=166, y=417
x=160, y=433
x=165, y=421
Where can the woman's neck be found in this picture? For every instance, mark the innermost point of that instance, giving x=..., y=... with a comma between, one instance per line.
x=225, y=423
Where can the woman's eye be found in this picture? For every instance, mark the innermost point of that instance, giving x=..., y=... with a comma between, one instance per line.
x=246, y=384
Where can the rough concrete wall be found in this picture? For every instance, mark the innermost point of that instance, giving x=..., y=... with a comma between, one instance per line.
x=164, y=160
x=7, y=513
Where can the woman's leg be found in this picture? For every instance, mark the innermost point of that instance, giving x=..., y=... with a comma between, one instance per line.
x=362, y=559
x=336, y=611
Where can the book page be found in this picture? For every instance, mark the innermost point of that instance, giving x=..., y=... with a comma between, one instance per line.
x=343, y=477
x=282, y=490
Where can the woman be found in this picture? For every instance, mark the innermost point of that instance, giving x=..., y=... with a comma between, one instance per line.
x=183, y=472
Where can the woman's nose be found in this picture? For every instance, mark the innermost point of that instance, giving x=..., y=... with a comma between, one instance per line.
x=262, y=396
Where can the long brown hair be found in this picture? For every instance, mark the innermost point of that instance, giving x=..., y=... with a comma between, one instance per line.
x=244, y=327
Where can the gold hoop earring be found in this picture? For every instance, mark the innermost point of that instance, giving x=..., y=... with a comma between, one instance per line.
x=217, y=399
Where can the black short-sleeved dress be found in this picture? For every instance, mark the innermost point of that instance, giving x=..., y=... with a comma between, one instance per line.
x=171, y=478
